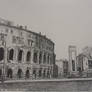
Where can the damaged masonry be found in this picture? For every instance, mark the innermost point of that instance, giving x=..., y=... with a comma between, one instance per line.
x=24, y=54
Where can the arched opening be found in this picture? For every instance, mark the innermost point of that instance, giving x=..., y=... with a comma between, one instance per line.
x=20, y=55
x=1, y=54
x=35, y=57
x=19, y=73
x=27, y=74
x=34, y=73
x=28, y=56
x=40, y=73
x=11, y=53
x=9, y=73
x=0, y=73
x=44, y=58
x=40, y=58
x=48, y=59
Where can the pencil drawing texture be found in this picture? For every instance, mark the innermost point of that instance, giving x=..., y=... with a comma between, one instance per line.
x=45, y=45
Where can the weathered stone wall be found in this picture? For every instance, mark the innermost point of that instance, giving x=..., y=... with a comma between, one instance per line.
x=19, y=41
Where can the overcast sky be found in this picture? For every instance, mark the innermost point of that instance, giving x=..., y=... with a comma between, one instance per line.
x=66, y=22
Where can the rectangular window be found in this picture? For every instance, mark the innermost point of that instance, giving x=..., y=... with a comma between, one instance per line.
x=13, y=39
x=29, y=42
x=2, y=36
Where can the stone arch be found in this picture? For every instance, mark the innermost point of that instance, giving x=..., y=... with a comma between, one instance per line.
x=1, y=53
x=44, y=73
x=27, y=73
x=40, y=73
x=35, y=57
x=48, y=73
x=19, y=73
x=40, y=57
x=11, y=54
x=34, y=73
x=20, y=55
x=9, y=73
x=28, y=57
x=44, y=58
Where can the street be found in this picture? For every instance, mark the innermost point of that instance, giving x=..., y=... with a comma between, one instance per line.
x=84, y=84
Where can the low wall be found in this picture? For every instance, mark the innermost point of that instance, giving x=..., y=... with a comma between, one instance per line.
x=84, y=84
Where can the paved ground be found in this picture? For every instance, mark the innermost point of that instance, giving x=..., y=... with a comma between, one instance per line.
x=83, y=84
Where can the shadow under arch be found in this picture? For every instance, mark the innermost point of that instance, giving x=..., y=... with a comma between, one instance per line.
x=9, y=73
x=1, y=53
x=19, y=73
x=27, y=73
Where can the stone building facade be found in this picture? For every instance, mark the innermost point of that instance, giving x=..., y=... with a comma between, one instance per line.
x=84, y=65
x=23, y=53
x=62, y=67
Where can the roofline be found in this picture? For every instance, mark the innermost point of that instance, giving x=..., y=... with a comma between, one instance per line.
x=27, y=31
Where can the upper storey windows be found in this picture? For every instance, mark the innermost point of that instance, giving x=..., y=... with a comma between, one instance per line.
x=6, y=30
x=44, y=43
x=27, y=38
x=2, y=36
x=30, y=39
x=17, y=40
x=30, y=42
x=2, y=39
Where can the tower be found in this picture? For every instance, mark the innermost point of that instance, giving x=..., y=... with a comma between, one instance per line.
x=72, y=60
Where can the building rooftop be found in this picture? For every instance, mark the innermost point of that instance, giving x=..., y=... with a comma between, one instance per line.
x=20, y=27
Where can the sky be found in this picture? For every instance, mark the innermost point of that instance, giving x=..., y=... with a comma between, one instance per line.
x=65, y=22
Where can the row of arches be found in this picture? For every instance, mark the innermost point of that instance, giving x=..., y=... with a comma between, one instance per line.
x=20, y=55
x=46, y=59
x=41, y=74
x=9, y=73
x=19, y=73
x=11, y=54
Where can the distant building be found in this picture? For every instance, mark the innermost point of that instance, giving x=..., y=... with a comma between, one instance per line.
x=72, y=60
x=87, y=50
x=84, y=64
x=55, y=71
x=62, y=67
